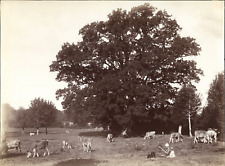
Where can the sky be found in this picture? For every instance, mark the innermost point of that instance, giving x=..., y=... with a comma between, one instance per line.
x=32, y=33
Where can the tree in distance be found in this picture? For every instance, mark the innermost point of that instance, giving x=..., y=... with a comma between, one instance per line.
x=22, y=119
x=213, y=113
x=42, y=113
x=186, y=106
x=7, y=115
x=126, y=70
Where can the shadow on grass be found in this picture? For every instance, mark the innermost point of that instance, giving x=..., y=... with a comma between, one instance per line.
x=9, y=155
x=221, y=149
x=78, y=162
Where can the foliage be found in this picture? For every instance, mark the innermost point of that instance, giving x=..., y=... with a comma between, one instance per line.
x=213, y=114
x=187, y=103
x=60, y=117
x=126, y=69
x=7, y=115
x=22, y=118
x=42, y=113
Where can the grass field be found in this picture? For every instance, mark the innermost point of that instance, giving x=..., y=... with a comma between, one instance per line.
x=122, y=152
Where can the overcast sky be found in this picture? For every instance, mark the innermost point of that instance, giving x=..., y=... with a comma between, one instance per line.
x=32, y=33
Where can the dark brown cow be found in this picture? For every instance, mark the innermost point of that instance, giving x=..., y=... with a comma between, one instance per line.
x=36, y=146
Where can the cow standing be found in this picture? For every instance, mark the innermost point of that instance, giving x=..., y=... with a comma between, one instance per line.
x=37, y=146
x=86, y=143
x=150, y=134
x=201, y=135
x=177, y=136
x=212, y=134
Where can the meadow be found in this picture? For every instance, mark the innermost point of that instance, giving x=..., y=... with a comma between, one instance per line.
x=122, y=152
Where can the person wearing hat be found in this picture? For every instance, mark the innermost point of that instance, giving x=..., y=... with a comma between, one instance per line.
x=169, y=151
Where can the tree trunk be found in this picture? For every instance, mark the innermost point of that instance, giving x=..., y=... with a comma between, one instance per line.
x=179, y=129
x=46, y=130
x=22, y=130
x=189, y=124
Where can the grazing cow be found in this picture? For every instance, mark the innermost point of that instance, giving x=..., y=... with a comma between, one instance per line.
x=37, y=146
x=31, y=134
x=109, y=138
x=201, y=135
x=13, y=144
x=212, y=134
x=86, y=143
x=66, y=143
x=177, y=136
x=150, y=134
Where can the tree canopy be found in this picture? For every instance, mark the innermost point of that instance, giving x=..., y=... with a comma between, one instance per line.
x=186, y=106
x=213, y=113
x=126, y=70
x=42, y=112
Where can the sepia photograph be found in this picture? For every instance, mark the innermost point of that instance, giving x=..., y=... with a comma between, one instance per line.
x=112, y=83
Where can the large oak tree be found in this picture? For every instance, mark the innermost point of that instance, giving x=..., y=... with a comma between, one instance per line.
x=125, y=71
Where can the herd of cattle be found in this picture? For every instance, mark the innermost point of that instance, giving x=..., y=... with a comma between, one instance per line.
x=200, y=136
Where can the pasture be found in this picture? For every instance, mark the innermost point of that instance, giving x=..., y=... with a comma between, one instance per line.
x=122, y=152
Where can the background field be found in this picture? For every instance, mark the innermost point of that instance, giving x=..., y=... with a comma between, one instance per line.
x=123, y=151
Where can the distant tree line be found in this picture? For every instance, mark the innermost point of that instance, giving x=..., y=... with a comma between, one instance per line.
x=40, y=114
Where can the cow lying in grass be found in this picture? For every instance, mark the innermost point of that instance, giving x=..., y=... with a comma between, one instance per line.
x=36, y=146
x=86, y=143
x=109, y=138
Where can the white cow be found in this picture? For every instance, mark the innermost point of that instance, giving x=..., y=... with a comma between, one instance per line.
x=37, y=146
x=31, y=134
x=86, y=143
x=150, y=134
x=212, y=134
x=177, y=136
x=201, y=135
x=13, y=144
x=109, y=138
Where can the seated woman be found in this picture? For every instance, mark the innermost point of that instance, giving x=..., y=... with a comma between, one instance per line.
x=169, y=151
